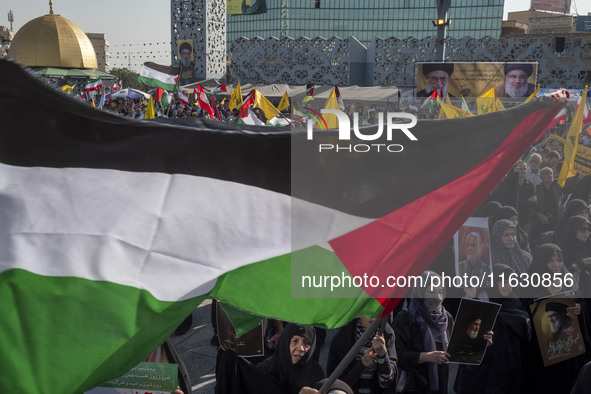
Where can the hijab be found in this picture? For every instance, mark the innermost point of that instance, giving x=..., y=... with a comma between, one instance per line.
x=573, y=207
x=432, y=324
x=516, y=258
x=507, y=212
x=507, y=302
x=294, y=376
x=542, y=256
x=574, y=249
x=512, y=310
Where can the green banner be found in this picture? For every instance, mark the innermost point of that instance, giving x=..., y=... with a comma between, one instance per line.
x=148, y=376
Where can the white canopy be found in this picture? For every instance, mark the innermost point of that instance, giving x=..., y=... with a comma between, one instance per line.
x=276, y=91
x=130, y=93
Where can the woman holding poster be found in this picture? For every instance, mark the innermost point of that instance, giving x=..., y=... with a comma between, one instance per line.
x=422, y=336
x=500, y=369
x=556, y=352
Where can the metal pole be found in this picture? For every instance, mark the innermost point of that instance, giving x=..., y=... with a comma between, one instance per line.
x=442, y=8
x=373, y=327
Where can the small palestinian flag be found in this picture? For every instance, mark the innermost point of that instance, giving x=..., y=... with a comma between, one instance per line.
x=309, y=93
x=220, y=89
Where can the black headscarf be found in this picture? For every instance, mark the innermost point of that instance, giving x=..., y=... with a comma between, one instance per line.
x=510, y=301
x=491, y=208
x=433, y=325
x=542, y=256
x=506, y=212
x=516, y=258
x=512, y=310
x=574, y=249
x=291, y=376
x=573, y=207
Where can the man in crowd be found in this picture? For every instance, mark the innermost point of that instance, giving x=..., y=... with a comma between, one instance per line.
x=549, y=201
x=551, y=159
x=533, y=169
x=436, y=78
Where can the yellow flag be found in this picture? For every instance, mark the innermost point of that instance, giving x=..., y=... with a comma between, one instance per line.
x=452, y=112
x=150, y=110
x=534, y=94
x=261, y=102
x=236, y=98
x=68, y=88
x=332, y=103
x=488, y=102
x=284, y=103
x=442, y=113
x=571, y=142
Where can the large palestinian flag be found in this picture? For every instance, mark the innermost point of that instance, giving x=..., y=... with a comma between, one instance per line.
x=114, y=229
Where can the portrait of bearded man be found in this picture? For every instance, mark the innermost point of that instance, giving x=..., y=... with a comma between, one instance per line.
x=187, y=75
x=515, y=84
x=436, y=78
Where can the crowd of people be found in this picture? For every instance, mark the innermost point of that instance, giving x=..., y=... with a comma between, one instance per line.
x=297, y=113
x=536, y=227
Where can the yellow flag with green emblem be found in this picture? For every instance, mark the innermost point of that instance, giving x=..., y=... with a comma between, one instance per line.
x=236, y=98
x=261, y=102
x=284, y=103
x=451, y=112
x=150, y=110
x=488, y=102
x=571, y=142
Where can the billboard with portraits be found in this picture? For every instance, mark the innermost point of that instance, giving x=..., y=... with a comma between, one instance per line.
x=473, y=79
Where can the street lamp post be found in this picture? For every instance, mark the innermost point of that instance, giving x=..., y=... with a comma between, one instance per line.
x=441, y=24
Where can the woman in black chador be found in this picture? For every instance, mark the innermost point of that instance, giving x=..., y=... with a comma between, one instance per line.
x=500, y=369
x=289, y=370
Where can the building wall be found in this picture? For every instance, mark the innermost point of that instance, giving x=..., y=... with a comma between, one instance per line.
x=584, y=22
x=101, y=48
x=366, y=19
x=202, y=23
x=554, y=25
x=526, y=15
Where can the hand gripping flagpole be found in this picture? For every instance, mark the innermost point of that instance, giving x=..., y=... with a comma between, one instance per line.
x=373, y=327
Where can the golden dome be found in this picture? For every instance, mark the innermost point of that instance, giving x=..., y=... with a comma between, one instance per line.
x=52, y=41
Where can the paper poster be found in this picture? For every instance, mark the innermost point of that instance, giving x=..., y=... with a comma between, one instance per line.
x=558, y=332
x=474, y=319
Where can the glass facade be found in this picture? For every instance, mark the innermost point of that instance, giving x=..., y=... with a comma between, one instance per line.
x=366, y=19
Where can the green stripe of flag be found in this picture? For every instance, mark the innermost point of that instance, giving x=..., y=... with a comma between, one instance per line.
x=271, y=280
x=65, y=312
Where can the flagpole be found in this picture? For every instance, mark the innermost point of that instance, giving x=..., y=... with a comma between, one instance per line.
x=369, y=331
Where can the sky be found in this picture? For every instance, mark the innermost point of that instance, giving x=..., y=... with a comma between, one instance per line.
x=135, y=21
